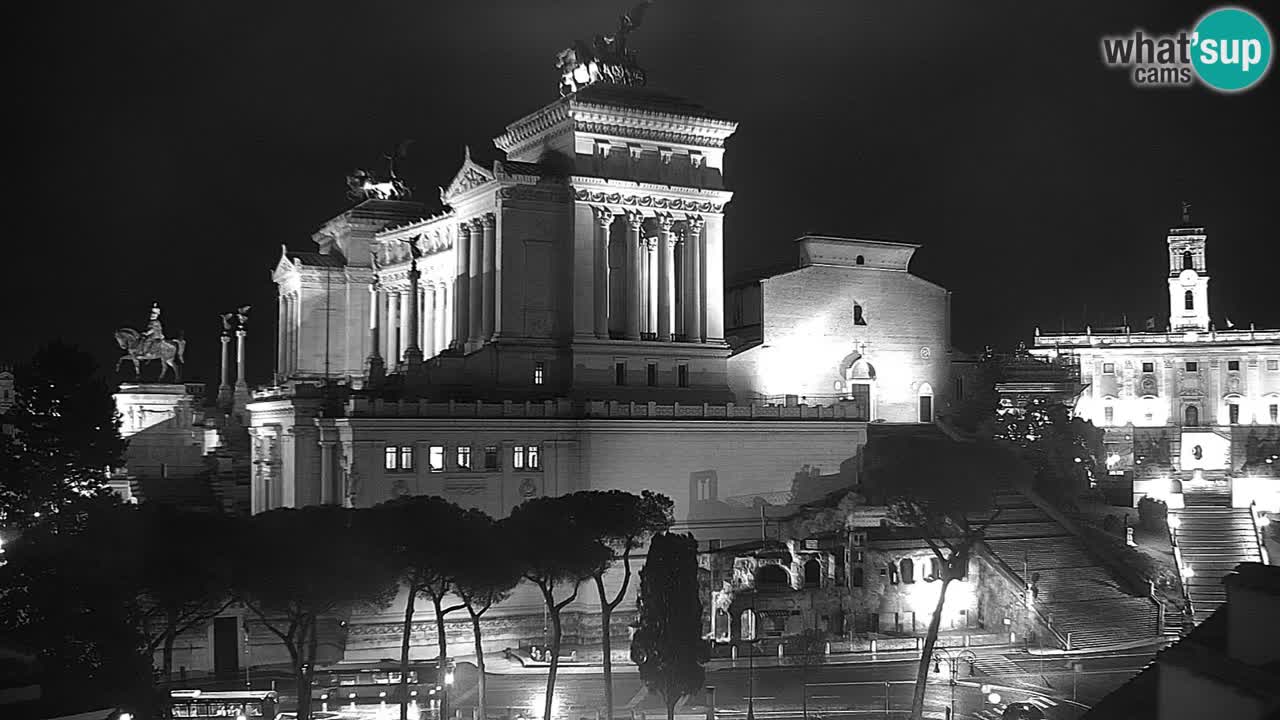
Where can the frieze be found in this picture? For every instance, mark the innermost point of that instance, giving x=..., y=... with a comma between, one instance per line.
x=464, y=488
x=648, y=201
x=647, y=133
x=522, y=192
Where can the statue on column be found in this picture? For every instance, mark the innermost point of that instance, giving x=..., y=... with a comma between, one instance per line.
x=242, y=317
x=150, y=344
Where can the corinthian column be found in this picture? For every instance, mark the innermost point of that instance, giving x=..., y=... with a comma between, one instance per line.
x=462, y=287
x=604, y=220
x=376, y=367
x=442, y=317
x=488, y=300
x=474, y=269
x=224, y=389
x=666, y=276
x=694, y=286
x=281, y=338
x=412, y=351
x=651, y=284
x=634, y=221
x=393, y=327
x=240, y=383
x=429, y=296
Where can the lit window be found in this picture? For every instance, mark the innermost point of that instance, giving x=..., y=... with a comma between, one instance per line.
x=1233, y=413
x=1233, y=365
x=406, y=457
x=464, y=457
x=517, y=457
x=1148, y=367
x=398, y=457
x=1109, y=413
x=651, y=374
x=1193, y=367
x=390, y=457
x=1189, y=300
x=1108, y=368
x=682, y=375
x=491, y=457
x=539, y=372
x=1274, y=410
x=533, y=455
x=620, y=373
x=436, y=458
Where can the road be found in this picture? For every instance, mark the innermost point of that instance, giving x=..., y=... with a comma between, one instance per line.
x=835, y=689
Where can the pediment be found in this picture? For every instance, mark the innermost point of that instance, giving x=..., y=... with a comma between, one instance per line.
x=469, y=177
x=284, y=266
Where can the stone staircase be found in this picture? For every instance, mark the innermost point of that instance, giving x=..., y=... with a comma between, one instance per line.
x=1077, y=593
x=1213, y=539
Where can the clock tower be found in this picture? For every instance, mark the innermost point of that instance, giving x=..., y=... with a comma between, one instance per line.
x=1188, y=276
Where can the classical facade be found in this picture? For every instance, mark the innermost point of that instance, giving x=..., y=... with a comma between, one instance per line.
x=850, y=325
x=1194, y=396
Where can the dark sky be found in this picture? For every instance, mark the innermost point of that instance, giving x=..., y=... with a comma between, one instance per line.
x=166, y=150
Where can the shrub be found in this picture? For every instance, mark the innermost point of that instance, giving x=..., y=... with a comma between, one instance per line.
x=1152, y=514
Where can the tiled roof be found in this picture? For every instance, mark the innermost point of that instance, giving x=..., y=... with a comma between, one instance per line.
x=513, y=167
x=318, y=260
x=642, y=98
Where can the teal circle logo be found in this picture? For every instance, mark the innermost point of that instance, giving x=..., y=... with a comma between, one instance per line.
x=1231, y=49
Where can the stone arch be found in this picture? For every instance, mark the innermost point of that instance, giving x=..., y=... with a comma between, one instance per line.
x=1189, y=300
x=1230, y=401
x=924, y=403
x=859, y=260
x=772, y=577
x=813, y=573
x=747, y=625
x=1188, y=261
x=1191, y=416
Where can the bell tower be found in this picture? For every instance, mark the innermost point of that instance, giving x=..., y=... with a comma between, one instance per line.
x=1188, y=276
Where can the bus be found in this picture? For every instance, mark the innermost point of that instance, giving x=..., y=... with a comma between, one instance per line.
x=239, y=705
x=360, y=688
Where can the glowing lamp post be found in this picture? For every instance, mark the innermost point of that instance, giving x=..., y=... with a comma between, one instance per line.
x=952, y=662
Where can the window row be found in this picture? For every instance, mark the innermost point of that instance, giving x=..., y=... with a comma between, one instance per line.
x=651, y=374
x=400, y=458
x=1109, y=368
x=907, y=572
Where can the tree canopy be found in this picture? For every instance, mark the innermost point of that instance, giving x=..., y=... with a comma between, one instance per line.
x=668, y=645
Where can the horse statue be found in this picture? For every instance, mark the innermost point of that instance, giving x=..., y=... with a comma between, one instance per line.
x=137, y=349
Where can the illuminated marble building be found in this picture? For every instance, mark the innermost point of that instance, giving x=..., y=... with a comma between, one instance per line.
x=1193, y=396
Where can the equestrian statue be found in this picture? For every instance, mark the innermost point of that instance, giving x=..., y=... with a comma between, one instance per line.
x=150, y=345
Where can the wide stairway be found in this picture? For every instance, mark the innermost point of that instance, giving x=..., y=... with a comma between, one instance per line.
x=1213, y=538
x=1077, y=593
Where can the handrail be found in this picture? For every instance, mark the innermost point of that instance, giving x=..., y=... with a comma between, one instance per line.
x=1257, y=532
x=1177, y=559
x=1013, y=576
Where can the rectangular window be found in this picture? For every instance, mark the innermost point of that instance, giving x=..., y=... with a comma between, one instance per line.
x=651, y=374
x=1274, y=411
x=959, y=388
x=398, y=457
x=619, y=373
x=539, y=372
x=517, y=457
x=435, y=458
x=682, y=375
x=1273, y=365
x=464, y=457
x=1233, y=413
x=533, y=457
x=1109, y=368
x=491, y=457
x=1148, y=367
x=390, y=458
x=1193, y=367
x=406, y=457
x=1110, y=415
x=926, y=408
x=1233, y=365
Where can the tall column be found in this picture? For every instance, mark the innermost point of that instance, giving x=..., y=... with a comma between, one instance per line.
x=402, y=323
x=694, y=287
x=412, y=324
x=224, y=389
x=713, y=278
x=240, y=382
x=651, y=284
x=604, y=220
x=328, y=491
x=634, y=221
x=462, y=287
x=488, y=300
x=282, y=308
x=666, y=276
x=292, y=323
x=393, y=327
x=476, y=285
x=376, y=368
x=442, y=317
x=429, y=321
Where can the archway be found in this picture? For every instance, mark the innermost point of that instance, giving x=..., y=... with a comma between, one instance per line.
x=812, y=573
x=772, y=577
x=925, y=401
x=747, y=625
x=860, y=386
x=908, y=569
x=1191, y=416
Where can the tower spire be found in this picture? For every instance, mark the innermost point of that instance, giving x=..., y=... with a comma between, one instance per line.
x=1186, y=212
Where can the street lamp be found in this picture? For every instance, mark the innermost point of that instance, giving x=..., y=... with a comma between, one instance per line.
x=952, y=660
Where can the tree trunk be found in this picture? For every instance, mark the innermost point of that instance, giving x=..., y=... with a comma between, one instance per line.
x=555, y=654
x=606, y=647
x=442, y=661
x=308, y=670
x=926, y=652
x=475, y=630
x=170, y=637
x=406, y=635
x=671, y=707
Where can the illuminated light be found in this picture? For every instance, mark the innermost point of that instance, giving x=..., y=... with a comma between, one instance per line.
x=324, y=696
x=413, y=693
x=985, y=689
x=1175, y=522
x=382, y=694
x=1188, y=572
x=1077, y=459
x=1263, y=521
x=242, y=716
x=540, y=701
x=994, y=698
x=126, y=716
x=448, y=677
x=1112, y=460
x=352, y=696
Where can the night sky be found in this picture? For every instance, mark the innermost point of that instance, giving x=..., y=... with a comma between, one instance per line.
x=166, y=150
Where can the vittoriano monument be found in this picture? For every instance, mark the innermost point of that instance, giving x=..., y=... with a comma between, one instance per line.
x=150, y=344
x=606, y=59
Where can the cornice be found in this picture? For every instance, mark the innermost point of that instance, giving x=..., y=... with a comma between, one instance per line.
x=533, y=125
x=643, y=196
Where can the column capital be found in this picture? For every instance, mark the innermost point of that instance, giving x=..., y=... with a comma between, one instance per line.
x=666, y=222
x=241, y=332
x=464, y=228
x=650, y=243
x=695, y=222
x=603, y=215
x=635, y=219
x=489, y=220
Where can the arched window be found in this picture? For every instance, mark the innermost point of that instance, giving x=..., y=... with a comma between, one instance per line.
x=1188, y=261
x=859, y=577
x=1189, y=300
x=813, y=573
x=747, y=631
x=935, y=569
x=858, y=319
x=925, y=403
x=772, y=577
x=908, y=570
x=1191, y=416
x=860, y=260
